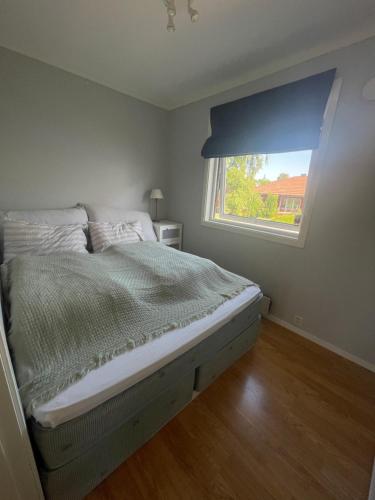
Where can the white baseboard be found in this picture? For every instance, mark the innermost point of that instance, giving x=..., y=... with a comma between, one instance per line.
x=195, y=394
x=371, y=495
x=323, y=343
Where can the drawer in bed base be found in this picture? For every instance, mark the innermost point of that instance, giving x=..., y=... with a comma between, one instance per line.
x=225, y=357
x=76, y=478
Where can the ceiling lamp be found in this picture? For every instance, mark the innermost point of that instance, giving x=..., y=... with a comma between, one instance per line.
x=171, y=11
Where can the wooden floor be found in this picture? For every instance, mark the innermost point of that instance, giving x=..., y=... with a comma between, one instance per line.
x=289, y=420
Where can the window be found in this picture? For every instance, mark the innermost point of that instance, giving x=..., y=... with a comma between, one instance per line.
x=266, y=192
x=262, y=188
x=266, y=195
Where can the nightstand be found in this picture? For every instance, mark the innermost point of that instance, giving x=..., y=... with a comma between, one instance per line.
x=169, y=233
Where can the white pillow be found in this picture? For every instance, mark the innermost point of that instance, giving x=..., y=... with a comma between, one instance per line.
x=50, y=217
x=105, y=234
x=53, y=217
x=24, y=238
x=98, y=213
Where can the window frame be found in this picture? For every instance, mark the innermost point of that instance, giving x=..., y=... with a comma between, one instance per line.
x=269, y=231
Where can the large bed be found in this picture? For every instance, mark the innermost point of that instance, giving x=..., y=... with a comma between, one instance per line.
x=85, y=430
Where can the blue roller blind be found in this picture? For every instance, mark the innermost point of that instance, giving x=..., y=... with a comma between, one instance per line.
x=282, y=119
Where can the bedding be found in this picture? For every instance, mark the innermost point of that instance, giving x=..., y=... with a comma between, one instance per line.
x=73, y=313
x=24, y=238
x=105, y=234
x=131, y=367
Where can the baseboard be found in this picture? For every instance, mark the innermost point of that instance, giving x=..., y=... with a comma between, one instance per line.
x=195, y=394
x=371, y=495
x=323, y=343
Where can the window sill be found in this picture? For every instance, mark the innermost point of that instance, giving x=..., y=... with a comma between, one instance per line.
x=265, y=233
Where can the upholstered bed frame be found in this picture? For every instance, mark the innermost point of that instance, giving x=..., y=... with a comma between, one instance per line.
x=76, y=456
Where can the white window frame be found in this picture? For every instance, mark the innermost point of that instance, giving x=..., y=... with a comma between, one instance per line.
x=287, y=234
x=290, y=204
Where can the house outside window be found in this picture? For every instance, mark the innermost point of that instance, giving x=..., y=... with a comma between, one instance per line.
x=289, y=189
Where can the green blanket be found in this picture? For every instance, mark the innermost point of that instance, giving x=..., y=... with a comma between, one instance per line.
x=71, y=313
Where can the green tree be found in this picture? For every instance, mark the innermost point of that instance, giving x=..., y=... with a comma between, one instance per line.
x=270, y=205
x=241, y=196
x=252, y=164
x=282, y=176
x=262, y=181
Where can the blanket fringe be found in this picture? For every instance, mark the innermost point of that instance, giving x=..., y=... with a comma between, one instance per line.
x=130, y=344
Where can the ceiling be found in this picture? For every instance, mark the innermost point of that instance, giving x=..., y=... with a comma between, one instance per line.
x=123, y=44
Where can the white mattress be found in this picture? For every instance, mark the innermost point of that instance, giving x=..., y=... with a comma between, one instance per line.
x=133, y=366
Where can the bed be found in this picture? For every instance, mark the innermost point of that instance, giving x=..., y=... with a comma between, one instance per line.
x=82, y=433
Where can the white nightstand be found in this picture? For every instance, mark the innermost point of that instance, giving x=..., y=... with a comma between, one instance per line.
x=169, y=233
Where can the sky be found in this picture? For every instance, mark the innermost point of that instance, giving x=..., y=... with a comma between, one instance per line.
x=295, y=163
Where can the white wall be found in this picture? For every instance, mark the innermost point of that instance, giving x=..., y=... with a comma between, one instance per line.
x=64, y=140
x=330, y=282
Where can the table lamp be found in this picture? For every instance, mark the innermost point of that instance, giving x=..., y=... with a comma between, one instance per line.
x=156, y=194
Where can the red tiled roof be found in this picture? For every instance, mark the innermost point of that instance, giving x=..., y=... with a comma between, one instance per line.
x=291, y=186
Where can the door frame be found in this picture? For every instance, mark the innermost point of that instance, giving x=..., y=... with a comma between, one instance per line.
x=17, y=462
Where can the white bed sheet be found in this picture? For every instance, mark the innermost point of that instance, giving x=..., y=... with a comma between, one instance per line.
x=133, y=366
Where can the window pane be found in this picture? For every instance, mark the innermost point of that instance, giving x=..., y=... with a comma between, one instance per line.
x=263, y=189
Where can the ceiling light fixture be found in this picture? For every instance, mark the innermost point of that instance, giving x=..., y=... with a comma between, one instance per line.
x=171, y=11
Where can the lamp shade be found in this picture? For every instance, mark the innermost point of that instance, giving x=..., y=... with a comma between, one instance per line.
x=156, y=194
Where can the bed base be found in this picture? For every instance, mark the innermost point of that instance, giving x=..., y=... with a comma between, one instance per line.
x=76, y=456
